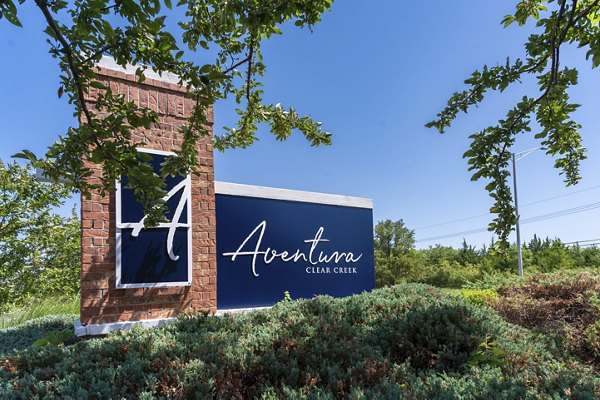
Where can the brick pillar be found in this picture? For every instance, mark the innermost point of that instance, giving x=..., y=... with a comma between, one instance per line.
x=101, y=302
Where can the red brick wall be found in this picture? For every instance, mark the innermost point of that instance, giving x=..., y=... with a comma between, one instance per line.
x=101, y=302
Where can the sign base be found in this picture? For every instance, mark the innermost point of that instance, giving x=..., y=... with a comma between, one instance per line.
x=103, y=329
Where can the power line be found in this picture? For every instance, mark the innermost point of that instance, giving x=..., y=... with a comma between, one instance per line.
x=561, y=195
x=583, y=241
x=488, y=213
x=453, y=221
x=590, y=244
x=451, y=235
x=543, y=217
x=593, y=244
x=561, y=213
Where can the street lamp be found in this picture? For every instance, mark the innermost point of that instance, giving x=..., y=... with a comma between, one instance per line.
x=516, y=157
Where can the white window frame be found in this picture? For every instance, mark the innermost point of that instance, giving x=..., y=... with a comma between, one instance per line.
x=120, y=225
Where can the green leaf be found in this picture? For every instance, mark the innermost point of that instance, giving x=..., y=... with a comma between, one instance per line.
x=40, y=343
x=9, y=10
x=13, y=20
x=98, y=85
x=508, y=19
x=25, y=154
x=596, y=60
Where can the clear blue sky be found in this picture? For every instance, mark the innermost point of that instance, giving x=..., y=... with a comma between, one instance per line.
x=374, y=73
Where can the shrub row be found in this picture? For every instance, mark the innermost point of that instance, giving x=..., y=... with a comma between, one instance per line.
x=408, y=341
x=565, y=306
x=398, y=261
x=22, y=337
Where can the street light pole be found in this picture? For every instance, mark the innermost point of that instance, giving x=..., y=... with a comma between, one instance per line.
x=515, y=158
x=519, y=254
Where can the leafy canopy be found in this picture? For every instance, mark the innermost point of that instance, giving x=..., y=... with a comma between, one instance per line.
x=39, y=250
x=80, y=32
x=558, y=23
x=393, y=238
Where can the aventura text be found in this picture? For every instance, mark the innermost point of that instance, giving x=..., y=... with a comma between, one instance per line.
x=315, y=261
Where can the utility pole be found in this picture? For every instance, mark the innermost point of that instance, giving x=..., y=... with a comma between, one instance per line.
x=519, y=254
x=515, y=158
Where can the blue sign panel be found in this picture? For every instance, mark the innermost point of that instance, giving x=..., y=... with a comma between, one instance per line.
x=159, y=256
x=267, y=246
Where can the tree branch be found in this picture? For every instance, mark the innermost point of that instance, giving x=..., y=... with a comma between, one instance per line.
x=68, y=54
x=107, y=8
x=100, y=51
x=249, y=73
x=556, y=43
x=219, y=33
x=245, y=60
x=68, y=51
x=476, y=89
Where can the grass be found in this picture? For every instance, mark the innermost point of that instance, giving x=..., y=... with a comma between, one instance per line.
x=39, y=308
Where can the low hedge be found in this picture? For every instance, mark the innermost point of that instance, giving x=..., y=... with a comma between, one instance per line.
x=563, y=306
x=408, y=341
x=23, y=336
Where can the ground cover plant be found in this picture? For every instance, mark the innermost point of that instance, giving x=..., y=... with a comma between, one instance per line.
x=565, y=306
x=27, y=333
x=406, y=341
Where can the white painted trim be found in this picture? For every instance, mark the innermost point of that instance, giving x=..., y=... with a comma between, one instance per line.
x=236, y=189
x=110, y=63
x=150, y=284
x=120, y=225
x=103, y=329
x=152, y=151
x=127, y=225
x=240, y=310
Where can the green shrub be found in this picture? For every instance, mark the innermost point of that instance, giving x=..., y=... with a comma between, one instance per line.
x=23, y=336
x=55, y=338
x=407, y=342
x=395, y=269
x=493, y=281
x=478, y=296
x=565, y=305
x=398, y=261
x=590, y=344
x=446, y=274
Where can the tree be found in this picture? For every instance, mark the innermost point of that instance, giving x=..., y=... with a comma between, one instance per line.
x=468, y=254
x=550, y=255
x=393, y=238
x=559, y=23
x=82, y=31
x=39, y=250
x=393, y=245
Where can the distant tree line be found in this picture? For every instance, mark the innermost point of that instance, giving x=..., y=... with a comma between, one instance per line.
x=397, y=260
